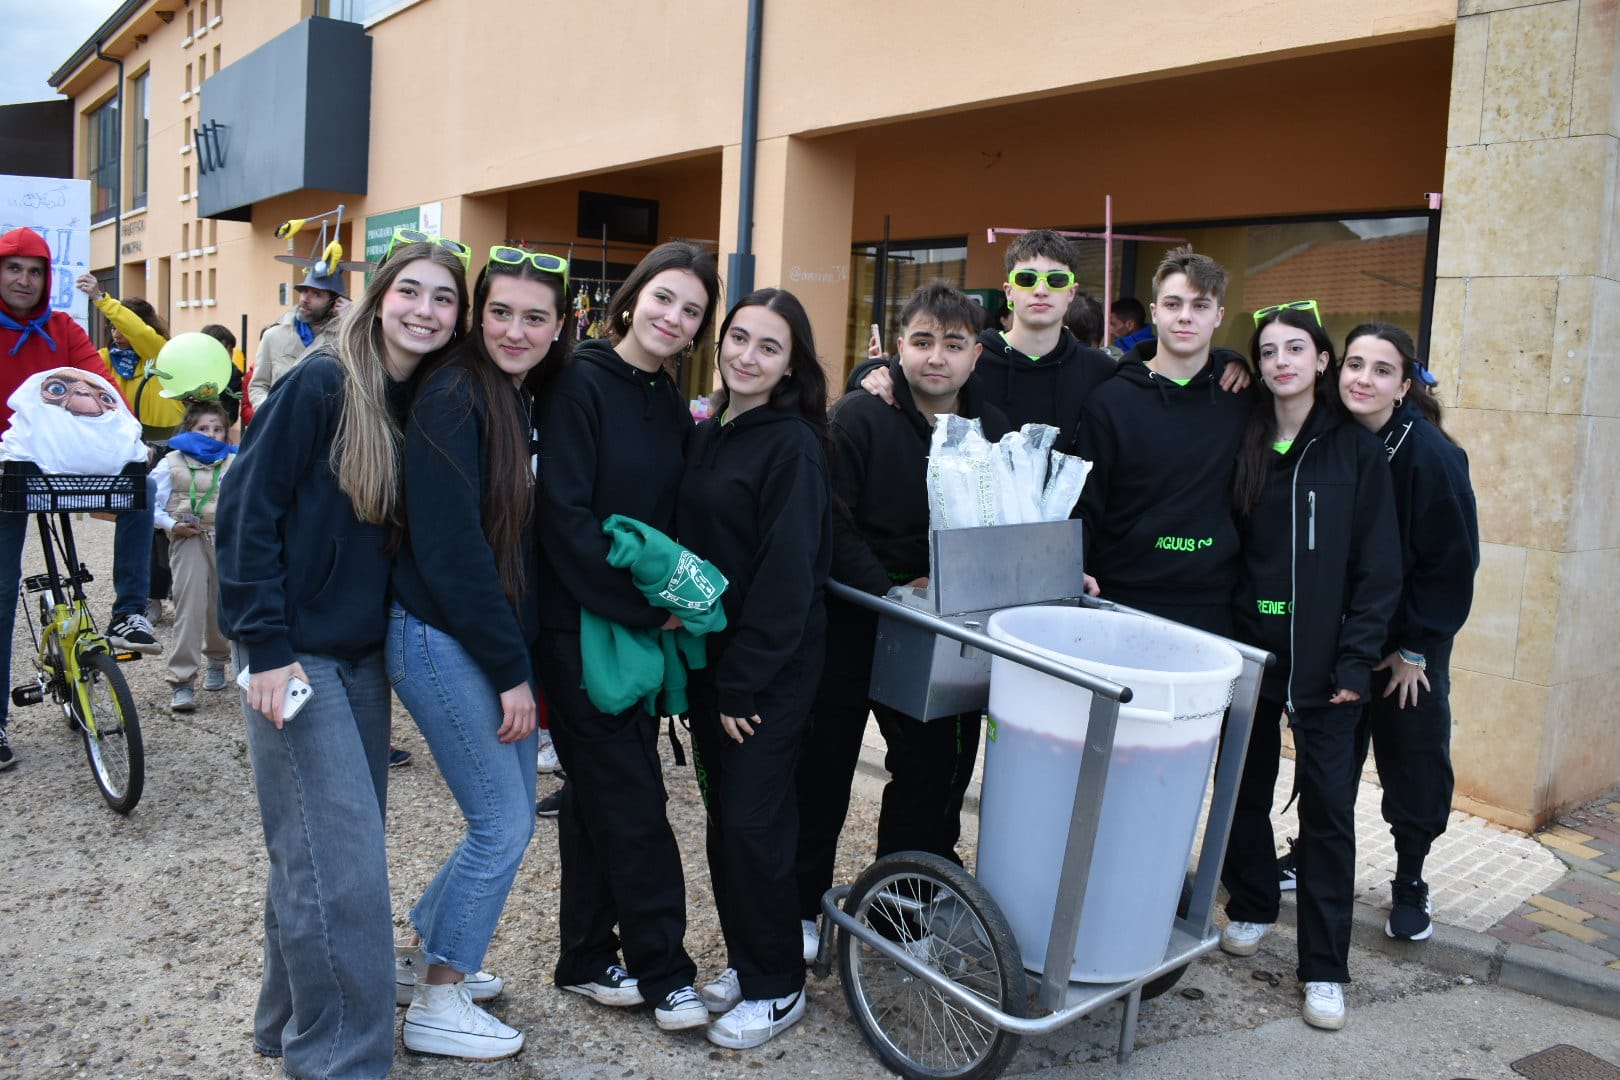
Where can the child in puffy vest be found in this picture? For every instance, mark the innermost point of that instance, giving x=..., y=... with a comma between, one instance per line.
x=188, y=480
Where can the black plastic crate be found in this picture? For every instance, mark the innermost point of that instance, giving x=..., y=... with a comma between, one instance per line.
x=26, y=490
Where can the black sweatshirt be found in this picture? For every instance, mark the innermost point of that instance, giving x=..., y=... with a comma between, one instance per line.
x=1052, y=390
x=755, y=501
x=298, y=572
x=1434, y=508
x=611, y=441
x=879, y=465
x=1321, y=562
x=1158, y=503
x=444, y=573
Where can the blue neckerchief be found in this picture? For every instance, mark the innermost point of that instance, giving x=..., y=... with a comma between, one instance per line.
x=36, y=325
x=201, y=447
x=306, y=332
x=123, y=361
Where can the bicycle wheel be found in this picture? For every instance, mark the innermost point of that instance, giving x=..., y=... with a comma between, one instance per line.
x=1157, y=987
x=935, y=910
x=112, y=732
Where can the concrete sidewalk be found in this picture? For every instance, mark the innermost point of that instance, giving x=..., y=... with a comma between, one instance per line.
x=1536, y=913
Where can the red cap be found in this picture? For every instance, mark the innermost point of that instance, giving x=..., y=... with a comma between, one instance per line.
x=25, y=242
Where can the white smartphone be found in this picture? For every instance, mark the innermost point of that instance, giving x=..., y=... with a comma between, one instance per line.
x=297, y=695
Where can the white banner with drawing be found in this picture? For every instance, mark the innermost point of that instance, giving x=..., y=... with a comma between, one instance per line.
x=59, y=210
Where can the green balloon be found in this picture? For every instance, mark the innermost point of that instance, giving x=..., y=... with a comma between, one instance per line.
x=193, y=365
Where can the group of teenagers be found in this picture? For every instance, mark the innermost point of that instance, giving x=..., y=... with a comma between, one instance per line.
x=450, y=503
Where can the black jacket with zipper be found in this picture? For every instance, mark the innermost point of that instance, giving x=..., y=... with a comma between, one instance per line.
x=1439, y=524
x=879, y=464
x=1321, y=571
x=755, y=501
x=1052, y=389
x=611, y=441
x=1158, y=502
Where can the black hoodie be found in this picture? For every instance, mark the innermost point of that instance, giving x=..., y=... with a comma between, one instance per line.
x=1158, y=502
x=611, y=441
x=1321, y=562
x=880, y=476
x=1434, y=508
x=1051, y=390
x=755, y=501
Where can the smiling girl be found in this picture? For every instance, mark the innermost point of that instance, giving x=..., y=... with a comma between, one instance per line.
x=464, y=621
x=1408, y=721
x=1320, y=577
x=303, y=533
x=614, y=427
x=755, y=501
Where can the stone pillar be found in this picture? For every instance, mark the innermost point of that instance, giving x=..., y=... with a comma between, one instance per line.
x=804, y=205
x=1526, y=344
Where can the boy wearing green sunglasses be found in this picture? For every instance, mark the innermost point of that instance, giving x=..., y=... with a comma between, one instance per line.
x=1036, y=372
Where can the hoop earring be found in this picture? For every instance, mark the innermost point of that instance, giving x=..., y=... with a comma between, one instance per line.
x=1398, y=401
x=624, y=317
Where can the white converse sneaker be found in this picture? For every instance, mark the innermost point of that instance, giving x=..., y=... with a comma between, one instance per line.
x=754, y=1022
x=1243, y=938
x=408, y=961
x=443, y=1020
x=724, y=994
x=812, y=939
x=1324, y=1005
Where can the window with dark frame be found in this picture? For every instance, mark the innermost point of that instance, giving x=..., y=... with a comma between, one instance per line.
x=101, y=160
x=140, y=128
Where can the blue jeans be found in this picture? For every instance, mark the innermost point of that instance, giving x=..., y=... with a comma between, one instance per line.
x=326, y=1003
x=132, y=573
x=459, y=714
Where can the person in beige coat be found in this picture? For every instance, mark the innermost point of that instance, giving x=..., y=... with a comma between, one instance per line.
x=321, y=299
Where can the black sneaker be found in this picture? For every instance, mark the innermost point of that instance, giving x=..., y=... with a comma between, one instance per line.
x=134, y=633
x=7, y=758
x=1288, y=869
x=682, y=1008
x=397, y=757
x=615, y=986
x=1409, y=917
x=551, y=805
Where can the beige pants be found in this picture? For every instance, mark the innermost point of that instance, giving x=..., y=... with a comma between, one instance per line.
x=191, y=560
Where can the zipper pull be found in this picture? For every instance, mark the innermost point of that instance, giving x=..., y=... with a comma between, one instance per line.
x=1310, y=529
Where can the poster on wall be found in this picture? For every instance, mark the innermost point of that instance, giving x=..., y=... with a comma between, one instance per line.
x=380, y=227
x=59, y=210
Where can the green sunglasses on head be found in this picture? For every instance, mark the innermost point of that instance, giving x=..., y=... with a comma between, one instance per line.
x=513, y=256
x=403, y=235
x=1292, y=305
x=1056, y=280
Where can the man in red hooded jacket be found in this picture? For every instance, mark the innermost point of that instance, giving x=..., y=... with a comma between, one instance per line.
x=33, y=338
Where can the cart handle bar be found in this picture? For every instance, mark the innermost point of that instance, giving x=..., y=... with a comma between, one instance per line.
x=945, y=628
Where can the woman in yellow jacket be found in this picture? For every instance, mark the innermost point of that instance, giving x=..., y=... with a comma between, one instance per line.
x=138, y=335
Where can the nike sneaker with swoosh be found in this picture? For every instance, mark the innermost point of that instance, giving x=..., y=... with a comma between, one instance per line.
x=755, y=1022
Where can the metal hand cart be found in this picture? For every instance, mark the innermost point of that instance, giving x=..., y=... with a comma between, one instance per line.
x=930, y=967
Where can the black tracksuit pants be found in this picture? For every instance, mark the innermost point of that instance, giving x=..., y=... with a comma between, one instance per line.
x=753, y=823
x=1326, y=775
x=930, y=764
x=1413, y=755
x=620, y=863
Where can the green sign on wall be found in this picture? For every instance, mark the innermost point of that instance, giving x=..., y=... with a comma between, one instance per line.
x=380, y=227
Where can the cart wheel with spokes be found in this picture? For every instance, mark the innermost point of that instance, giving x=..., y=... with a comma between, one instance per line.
x=935, y=910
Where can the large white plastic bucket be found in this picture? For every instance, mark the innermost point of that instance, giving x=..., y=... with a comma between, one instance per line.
x=1163, y=746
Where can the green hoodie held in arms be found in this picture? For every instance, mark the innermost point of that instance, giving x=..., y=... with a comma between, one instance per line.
x=624, y=665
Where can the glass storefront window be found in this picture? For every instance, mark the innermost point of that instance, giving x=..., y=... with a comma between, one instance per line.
x=1356, y=269
x=910, y=263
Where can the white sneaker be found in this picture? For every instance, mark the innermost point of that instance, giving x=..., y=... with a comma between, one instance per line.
x=681, y=1009
x=548, y=754
x=408, y=960
x=812, y=939
x=754, y=1022
x=1324, y=1005
x=724, y=994
x=443, y=1020
x=1243, y=938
